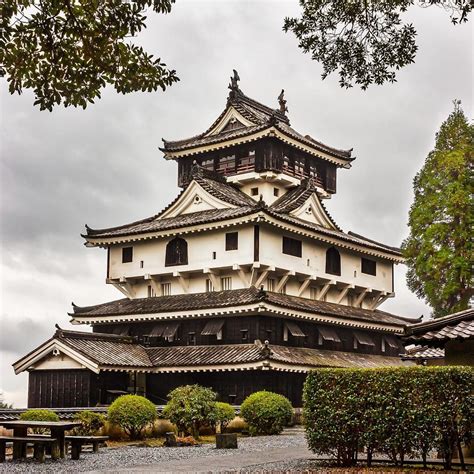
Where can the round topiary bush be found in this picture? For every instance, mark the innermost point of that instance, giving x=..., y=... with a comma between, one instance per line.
x=132, y=413
x=39, y=415
x=266, y=413
x=190, y=407
x=223, y=414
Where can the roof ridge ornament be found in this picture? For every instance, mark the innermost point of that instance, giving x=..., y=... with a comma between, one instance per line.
x=234, y=85
x=282, y=102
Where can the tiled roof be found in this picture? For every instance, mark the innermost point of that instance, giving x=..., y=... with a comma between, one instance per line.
x=222, y=299
x=423, y=353
x=458, y=326
x=294, y=198
x=217, y=186
x=157, y=224
x=261, y=117
x=204, y=355
x=119, y=353
x=106, y=349
x=333, y=233
x=322, y=358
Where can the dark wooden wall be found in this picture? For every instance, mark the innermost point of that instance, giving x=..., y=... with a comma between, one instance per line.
x=270, y=155
x=258, y=327
x=61, y=388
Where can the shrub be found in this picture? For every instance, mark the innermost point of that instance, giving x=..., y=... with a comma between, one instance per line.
x=237, y=425
x=190, y=407
x=39, y=415
x=223, y=414
x=159, y=428
x=400, y=412
x=91, y=423
x=132, y=413
x=266, y=412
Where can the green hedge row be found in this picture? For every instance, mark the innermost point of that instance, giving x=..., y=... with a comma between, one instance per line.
x=399, y=412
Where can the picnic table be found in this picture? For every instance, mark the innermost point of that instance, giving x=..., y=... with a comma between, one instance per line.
x=20, y=429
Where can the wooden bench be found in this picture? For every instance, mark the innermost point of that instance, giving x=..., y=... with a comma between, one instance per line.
x=78, y=441
x=39, y=444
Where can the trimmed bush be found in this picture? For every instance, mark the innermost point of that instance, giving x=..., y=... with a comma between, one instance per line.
x=132, y=413
x=400, y=412
x=38, y=414
x=223, y=414
x=190, y=407
x=266, y=413
x=91, y=423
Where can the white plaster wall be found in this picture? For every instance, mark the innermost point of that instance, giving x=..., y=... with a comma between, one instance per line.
x=61, y=361
x=200, y=254
x=266, y=189
x=313, y=261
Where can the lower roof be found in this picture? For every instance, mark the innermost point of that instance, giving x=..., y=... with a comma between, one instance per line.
x=234, y=298
x=101, y=352
x=438, y=331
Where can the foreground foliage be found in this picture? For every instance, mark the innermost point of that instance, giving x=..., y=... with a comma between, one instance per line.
x=91, y=423
x=439, y=249
x=190, y=407
x=38, y=414
x=267, y=413
x=67, y=52
x=399, y=412
x=367, y=42
x=223, y=414
x=132, y=413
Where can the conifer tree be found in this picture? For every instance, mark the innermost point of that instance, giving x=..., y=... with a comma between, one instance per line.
x=439, y=251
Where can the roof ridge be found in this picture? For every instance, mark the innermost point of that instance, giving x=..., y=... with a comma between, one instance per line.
x=69, y=334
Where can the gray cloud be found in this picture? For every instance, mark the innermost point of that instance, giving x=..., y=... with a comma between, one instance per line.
x=102, y=166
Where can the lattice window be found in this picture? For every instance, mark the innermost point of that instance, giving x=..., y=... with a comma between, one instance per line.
x=176, y=252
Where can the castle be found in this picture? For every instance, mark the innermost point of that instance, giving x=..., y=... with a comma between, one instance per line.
x=244, y=282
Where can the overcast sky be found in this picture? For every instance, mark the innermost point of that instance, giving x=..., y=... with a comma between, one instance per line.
x=102, y=166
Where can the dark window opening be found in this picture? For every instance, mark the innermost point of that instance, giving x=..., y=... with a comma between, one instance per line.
x=368, y=266
x=176, y=252
x=245, y=335
x=276, y=192
x=127, y=254
x=333, y=261
x=292, y=246
x=232, y=241
x=254, y=191
x=214, y=255
x=191, y=339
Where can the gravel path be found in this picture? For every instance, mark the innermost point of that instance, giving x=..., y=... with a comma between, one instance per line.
x=119, y=459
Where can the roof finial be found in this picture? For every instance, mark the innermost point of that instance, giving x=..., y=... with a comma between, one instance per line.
x=282, y=102
x=234, y=83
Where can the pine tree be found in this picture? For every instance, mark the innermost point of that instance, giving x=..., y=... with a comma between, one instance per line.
x=439, y=251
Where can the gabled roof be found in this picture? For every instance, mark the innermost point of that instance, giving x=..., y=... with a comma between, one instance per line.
x=235, y=298
x=106, y=352
x=260, y=117
x=457, y=326
x=241, y=205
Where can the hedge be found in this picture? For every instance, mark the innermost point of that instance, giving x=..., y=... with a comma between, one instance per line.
x=399, y=412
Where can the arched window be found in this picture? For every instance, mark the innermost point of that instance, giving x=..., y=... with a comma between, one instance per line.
x=176, y=252
x=333, y=261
